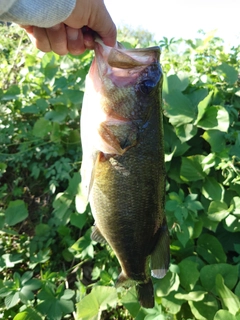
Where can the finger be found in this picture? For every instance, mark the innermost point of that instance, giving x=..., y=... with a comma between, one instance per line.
x=88, y=37
x=28, y=29
x=40, y=39
x=106, y=30
x=75, y=42
x=57, y=37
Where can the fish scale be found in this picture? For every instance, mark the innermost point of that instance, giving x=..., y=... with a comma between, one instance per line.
x=123, y=162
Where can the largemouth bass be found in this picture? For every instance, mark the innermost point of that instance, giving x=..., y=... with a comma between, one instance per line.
x=123, y=162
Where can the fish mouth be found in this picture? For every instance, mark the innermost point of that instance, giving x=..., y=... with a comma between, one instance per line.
x=122, y=66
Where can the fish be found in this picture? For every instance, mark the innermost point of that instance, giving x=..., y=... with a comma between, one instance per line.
x=123, y=172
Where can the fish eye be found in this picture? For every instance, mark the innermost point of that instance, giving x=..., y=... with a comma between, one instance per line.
x=147, y=86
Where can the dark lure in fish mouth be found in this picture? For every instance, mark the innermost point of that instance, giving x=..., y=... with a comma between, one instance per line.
x=123, y=172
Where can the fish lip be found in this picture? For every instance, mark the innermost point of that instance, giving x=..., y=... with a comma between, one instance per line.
x=109, y=62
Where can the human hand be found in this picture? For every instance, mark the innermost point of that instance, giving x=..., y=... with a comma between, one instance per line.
x=72, y=36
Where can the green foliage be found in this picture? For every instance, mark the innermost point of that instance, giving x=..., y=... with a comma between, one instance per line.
x=50, y=267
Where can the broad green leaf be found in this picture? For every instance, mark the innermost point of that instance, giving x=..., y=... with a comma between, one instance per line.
x=30, y=109
x=3, y=168
x=130, y=301
x=230, y=73
x=186, y=132
x=192, y=296
x=178, y=108
x=183, y=234
x=210, y=249
x=75, y=96
x=237, y=290
x=11, y=300
x=84, y=245
x=78, y=220
x=228, y=299
x=214, y=117
x=236, y=204
x=28, y=314
x=42, y=127
x=58, y=115
x=12, y=93
x=212, y=190
x=167, y=284
x=172, y=304
x=15, y=212
x=191, y=168
x=202, y=106
x=176, y=84
x=53, y=304
x=209, y=272
x=197, y=96
x=99, y=299
x=204, y=309
x=225, y=315
x=217, y=211
x=188, y=279
x=8, y=260
x=216, y=139
x=232, y=223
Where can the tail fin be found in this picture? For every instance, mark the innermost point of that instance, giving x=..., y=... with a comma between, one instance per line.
x=145, y=294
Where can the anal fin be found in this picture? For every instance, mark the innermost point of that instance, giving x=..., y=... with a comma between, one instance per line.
x=97, y=236
x=160, y=256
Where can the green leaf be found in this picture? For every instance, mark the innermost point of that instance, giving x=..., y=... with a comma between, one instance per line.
x=84, y=245
x=174, y=83
x=58, y=115
x=183, y=234
x=12, y=93
x=232, y=223
x=11, y=300
x=215, y=117
x=130, y=301
x=236, y=206
x=186, y=132
x=225, y=315
x=16, y=212
x=172, y=304
x=75, y=96
x=188, y=279
x=167, y=284
x=202, y=106
x=216, y=140
x=28, y=314
x=212, y=190
x=217, y=211
x=204, y=309
x=99, y=299
x=78, y=220
x=230, y=73
x=53, y=304
x=191, y=168
x=3, y=168
x=209, y=272
x=178, y=108
x=210, y=249
x=192, y=296
x=41, y=128
x=228, y=299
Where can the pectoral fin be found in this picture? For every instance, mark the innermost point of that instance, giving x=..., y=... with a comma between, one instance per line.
x=160, y=257
x=97, y=236
x=117, y=136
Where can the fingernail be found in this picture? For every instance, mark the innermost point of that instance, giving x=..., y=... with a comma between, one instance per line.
x=72, y=33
